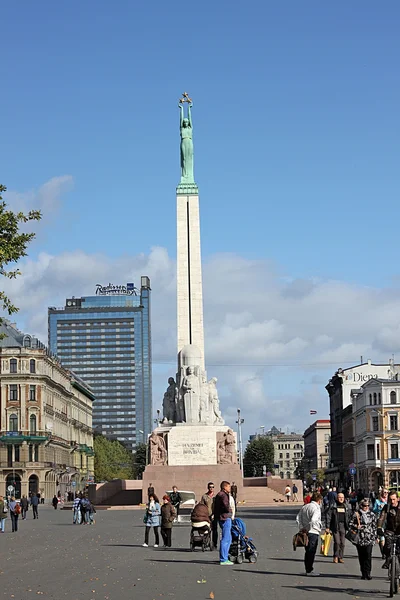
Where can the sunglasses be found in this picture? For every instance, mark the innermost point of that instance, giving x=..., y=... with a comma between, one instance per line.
x=210, y=487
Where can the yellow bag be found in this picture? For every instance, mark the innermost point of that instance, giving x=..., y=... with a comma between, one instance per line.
x=326, y=540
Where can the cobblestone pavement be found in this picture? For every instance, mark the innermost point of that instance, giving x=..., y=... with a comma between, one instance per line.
x=52, y=558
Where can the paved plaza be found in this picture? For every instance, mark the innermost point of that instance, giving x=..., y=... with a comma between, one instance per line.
x=55, y=559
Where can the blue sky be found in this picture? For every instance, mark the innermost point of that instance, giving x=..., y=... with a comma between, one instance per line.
x=296, y=129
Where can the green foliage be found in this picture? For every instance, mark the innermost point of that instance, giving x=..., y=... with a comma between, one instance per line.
x=111, y=460
x=13, y=244
x=258, y=454
x=139, y=460
x=320, y=473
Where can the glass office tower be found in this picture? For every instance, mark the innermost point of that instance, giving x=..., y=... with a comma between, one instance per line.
x=106, y=340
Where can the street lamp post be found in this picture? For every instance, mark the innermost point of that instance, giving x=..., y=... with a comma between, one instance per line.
x=239, y=422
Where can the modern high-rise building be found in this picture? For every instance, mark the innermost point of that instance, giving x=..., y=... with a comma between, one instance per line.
x=106, y=340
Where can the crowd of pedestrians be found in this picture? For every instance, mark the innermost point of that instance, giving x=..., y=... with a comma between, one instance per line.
x=364, y=522
x=213, y=510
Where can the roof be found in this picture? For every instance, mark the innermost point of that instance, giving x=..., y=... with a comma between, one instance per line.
x=11, y=337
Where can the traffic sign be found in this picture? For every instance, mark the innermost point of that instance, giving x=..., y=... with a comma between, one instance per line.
x=352, y=471
x=314, y=477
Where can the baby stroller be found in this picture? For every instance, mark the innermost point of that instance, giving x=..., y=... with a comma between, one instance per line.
x=200, y=537
x=242, y=547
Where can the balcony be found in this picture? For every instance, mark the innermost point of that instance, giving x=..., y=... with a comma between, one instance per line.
x=17, y=437
x=393, y=461
x=17, y=465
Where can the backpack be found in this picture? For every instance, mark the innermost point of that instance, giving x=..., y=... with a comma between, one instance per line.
x=300, y=540
x=17, y=509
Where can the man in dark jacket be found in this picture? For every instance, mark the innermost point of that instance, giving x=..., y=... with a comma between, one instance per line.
x=337, y=519
x=223, y=515
x=34, y=504
x=390, y=520
x=176, y=500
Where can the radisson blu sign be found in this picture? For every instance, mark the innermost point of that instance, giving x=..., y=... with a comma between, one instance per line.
x=116, y=290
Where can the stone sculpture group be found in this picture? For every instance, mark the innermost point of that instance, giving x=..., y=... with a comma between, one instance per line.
x=195, y=401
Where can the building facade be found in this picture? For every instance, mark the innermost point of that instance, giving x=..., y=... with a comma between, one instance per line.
x=288, y=453
x=339, y=389
x=376, y=422
x=46, y=435
x=316, y=445
x=106, y=340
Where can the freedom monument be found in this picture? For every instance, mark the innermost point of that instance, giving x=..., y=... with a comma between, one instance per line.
x=191, y=445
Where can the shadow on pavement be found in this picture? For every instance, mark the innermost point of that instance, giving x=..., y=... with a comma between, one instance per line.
x=288, y=514
x=356, y=593
x=211, y=563
x=302, y=574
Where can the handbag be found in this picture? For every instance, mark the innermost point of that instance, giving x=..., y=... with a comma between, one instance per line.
x=300, y=540
x=352, y=534
x=326, y=540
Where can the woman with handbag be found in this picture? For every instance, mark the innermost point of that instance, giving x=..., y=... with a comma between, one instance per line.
x=168, y=515
x=152, y=518
x=3, y=513
x=363, y=534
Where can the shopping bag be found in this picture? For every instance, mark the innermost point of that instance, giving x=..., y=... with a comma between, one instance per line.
x=326, y=540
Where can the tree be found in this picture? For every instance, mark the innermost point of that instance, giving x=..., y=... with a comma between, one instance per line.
x=258, y=455
x=13, y=244
x=139, y=460
x=111, y=460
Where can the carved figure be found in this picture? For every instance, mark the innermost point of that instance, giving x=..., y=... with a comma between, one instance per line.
x=191, y=396
x=205, y=409
x=226, y=449
x=158, y=452
x=214, y=401
x=186, y=129
x=169, y=401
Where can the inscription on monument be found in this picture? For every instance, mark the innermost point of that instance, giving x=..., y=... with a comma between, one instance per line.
x=192, y=448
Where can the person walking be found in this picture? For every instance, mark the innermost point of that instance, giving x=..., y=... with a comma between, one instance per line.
x=152, y=519
x=364, y=521
x=390, y=520
x=176, y=500
x=35, y=503
x=24, y=506
x=309, y=520
x=377, y=507
x=337, y=520
x=55, y=502
x=209, y=499
x=287, y=493
x=295, y=491
x=223, y=516
x=168, y=515
x=15, y=511
x=234, y=491
x=85, y=509
x=3, y=513
x=150, y=491
x=76, y=507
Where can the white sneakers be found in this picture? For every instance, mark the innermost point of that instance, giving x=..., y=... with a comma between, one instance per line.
x=155, y=545
x=145, y=545
x=313, y=574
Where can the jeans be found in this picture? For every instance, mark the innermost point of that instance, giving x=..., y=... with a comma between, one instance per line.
x=226, y=539
x=214, y=529
x=339, y=539
x=166, y=533
x=2, y=524
x=23, y=512
x=76, y=517
x=35, y=511
x=14, y=521
x=147, y=532
x=365, y=559
x=311, y=550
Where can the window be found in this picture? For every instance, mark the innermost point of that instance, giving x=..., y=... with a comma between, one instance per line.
x=32, y=393
x=327, y=437
x=393, y=423
x=27, y=341
x=280, y=455
x=378, y=452
x=30, y=453
x=287, y=463
x=393, y=399
x=287, y=455
x=370, y=452
x=327, y=449
x=16, y=451
x=375, y=423
x=13, y=392
x=13, y=422
x=32, y=424
x=13, y=365
x=375, y=399
x=370, y=399
x=394, y=451
x=379, y=398
x=32, y=366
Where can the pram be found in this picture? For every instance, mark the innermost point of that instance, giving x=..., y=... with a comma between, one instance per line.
x=242, y=546
x=200, y=537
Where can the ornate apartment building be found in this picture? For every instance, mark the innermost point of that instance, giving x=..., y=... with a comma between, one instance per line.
x=46, y=435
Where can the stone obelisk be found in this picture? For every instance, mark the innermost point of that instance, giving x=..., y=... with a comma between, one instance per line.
x=189, y=277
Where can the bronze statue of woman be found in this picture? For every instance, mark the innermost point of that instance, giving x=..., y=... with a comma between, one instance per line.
x=186, y=128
